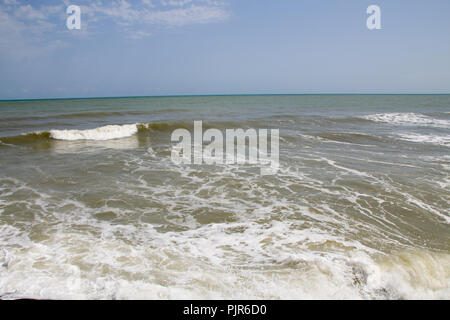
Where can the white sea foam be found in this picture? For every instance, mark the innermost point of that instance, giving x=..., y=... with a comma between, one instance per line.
x=270, y=261
x=6, y=144
x=252, y=258
x=102, y=133
x=425, y=138
x=409, y=118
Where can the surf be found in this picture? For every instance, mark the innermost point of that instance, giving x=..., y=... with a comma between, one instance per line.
x=407, y=118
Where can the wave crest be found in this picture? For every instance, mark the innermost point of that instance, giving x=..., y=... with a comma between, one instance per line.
x=102, y=133
x=109, y=132
x=408, y=118
x=423, y=138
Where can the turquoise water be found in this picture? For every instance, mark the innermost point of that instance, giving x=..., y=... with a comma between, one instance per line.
x=91, y=205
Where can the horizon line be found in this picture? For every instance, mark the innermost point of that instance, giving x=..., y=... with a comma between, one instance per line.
x=223, y=95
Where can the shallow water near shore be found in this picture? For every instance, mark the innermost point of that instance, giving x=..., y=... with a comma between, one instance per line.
x=92, y=207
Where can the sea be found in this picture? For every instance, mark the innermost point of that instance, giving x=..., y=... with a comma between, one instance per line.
x=93, y=207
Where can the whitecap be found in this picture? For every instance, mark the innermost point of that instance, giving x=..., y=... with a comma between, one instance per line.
x=409, y=118
x=102, y=133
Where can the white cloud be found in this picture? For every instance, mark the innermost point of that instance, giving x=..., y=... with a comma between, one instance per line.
x=29, y=28
x=172, y=12
x=148, y=3
x=23, y=32
x=27, y=12
x=183, y=16
x=10, y=2
x=139, y=34
x=175, y=3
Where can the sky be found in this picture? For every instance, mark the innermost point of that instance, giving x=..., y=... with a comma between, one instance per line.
x=196, y=47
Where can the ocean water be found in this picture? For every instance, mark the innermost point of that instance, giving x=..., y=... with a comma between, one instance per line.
x=91, y=205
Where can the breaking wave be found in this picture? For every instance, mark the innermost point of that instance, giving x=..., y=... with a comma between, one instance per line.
x=196, y=264
x=103, y=133
x=424, y=138
x=109, y=132
x=408, y=118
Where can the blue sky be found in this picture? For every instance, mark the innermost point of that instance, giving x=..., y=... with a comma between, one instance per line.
x=171, y=47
